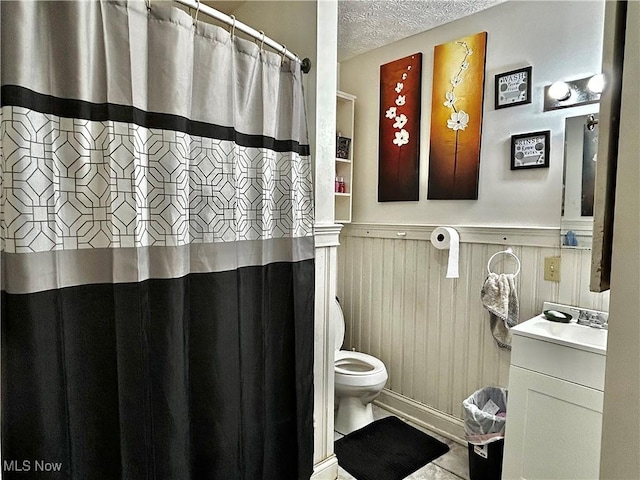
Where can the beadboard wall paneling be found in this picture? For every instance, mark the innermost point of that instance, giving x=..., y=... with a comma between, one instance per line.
x=574, y=284
x=432, y=332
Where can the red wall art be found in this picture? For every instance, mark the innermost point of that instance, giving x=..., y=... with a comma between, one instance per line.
x=456, y=118
x=399, y=136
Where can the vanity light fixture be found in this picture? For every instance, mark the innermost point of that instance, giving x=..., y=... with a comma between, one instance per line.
x=559, y=90
x=596, y=83
x=571, y=93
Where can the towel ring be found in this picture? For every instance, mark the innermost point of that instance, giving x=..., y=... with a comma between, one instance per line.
x=508, y=251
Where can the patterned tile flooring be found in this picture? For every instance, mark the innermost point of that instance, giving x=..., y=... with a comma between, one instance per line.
x=453, y=465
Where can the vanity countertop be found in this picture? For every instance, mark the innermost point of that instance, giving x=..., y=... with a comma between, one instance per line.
x=570, y=334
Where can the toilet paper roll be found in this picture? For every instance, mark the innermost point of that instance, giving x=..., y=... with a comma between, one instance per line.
x=447, y=238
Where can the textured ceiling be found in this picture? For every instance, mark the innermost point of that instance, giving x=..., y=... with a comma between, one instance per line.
x=364, y=25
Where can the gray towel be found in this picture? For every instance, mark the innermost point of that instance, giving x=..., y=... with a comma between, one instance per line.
x=499, y=296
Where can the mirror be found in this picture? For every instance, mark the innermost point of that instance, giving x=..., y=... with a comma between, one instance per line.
x=578, y=180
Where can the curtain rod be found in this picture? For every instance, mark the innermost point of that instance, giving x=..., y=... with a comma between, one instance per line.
x=235, y=24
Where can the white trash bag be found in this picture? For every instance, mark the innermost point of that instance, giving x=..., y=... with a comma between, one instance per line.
x=485, y=415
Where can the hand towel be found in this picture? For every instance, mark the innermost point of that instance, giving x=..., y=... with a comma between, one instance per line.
x=500, y=298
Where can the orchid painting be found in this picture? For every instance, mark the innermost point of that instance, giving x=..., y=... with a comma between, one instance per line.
x=459, y=119
x=399, y=129
x=401, y=135
x=456, y=118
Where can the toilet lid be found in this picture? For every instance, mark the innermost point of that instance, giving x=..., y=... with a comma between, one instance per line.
x=338, y=327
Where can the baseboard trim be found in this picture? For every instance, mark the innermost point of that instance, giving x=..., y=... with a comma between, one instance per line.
x=327, y=469
x=439, y=422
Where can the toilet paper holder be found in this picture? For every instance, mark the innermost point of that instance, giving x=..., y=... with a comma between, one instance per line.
x=508, y=251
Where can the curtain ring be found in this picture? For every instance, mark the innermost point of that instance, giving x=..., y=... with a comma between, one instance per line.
x=284, y=52
x=195, y=20
x=233, y=26
x=148, y=2
x=262, y=41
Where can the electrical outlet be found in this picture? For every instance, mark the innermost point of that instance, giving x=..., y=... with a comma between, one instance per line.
x=552, y=269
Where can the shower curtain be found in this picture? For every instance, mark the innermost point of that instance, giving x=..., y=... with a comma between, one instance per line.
x=157, y=248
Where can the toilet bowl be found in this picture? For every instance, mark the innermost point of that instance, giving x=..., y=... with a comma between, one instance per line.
x=359, y=379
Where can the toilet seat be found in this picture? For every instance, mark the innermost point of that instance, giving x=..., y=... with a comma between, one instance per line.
x=357, y=363
x=356, y=369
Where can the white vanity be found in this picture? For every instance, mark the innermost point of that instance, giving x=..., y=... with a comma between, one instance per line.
x=554, y=410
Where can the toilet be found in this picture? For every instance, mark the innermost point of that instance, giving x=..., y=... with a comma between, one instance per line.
x=359, y=379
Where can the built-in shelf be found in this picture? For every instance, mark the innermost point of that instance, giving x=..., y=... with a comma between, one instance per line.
x=345, y=110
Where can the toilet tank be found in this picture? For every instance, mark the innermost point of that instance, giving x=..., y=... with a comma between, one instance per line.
x=337, y=318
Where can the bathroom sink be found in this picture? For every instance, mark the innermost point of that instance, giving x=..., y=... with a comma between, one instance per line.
x=567, y=334
x=576, y=353
x=556, y=391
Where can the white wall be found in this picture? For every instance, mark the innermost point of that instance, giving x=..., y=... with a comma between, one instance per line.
x=561, y=40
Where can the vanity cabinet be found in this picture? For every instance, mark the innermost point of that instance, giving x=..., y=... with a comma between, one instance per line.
x=345, y=112
x=554, y=410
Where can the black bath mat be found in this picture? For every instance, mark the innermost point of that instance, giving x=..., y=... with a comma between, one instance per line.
x=387, y=449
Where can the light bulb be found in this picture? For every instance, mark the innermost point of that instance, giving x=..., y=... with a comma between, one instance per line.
x=559, y=90
x=596, y=83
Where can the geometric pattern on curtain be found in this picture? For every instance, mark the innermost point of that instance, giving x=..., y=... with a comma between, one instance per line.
x=72, y=184
x=158, y=269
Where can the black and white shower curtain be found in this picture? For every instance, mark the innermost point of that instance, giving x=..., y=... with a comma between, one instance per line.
x=157, y=249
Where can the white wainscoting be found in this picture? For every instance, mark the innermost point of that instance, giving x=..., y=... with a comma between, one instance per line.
x=432, y=332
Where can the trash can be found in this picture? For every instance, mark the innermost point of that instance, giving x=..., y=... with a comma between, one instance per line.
x=485, y=421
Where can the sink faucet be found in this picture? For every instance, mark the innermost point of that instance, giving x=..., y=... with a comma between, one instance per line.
x=592, y=319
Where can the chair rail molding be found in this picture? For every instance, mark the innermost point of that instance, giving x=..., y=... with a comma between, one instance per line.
x=530, y=236
x=327, y=234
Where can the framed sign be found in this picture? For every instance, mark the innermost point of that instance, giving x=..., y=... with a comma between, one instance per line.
x=530, y=150
x=513, y=88
x=342, y=148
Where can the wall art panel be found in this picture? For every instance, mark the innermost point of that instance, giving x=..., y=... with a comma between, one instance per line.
x=399, y=134
x=456, y=118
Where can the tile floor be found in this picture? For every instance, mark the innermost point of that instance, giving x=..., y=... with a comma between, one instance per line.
x=453, y=465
